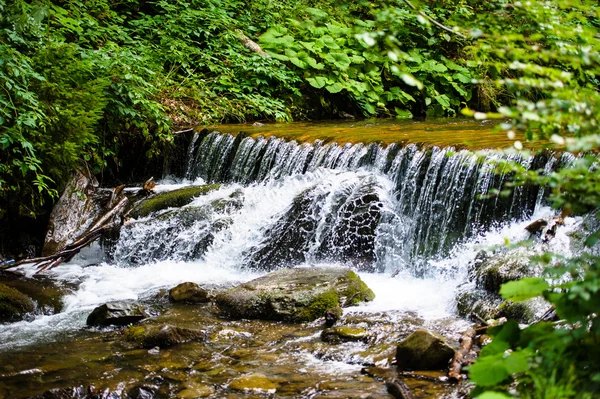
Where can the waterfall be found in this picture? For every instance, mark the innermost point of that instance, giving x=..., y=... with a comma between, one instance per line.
x=376, y=207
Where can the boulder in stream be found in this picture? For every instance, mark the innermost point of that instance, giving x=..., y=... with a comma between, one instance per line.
x=296, y=295
x=116, y=313
x=188, y=292
x=423, y=350
x=163, y=336
x=79, y=205
x=14, y=305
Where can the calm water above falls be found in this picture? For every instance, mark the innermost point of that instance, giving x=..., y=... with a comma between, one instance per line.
x=405, y=210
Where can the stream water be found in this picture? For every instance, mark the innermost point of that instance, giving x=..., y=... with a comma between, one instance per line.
x=408, y=218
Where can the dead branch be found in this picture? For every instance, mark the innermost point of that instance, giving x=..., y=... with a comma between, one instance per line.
x=95, y=231
x=433, y=21
x=461, y=357
x=250, y=44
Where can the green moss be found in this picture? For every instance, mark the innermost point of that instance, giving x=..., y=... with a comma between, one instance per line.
x=344, y=334
x=171, y=199
x=318, y=306
x=13, y=304
x=357, y=290
x=135, y=335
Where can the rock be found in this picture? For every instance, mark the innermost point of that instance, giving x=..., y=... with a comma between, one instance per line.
x=255, y=382
x=423, y=350
x=352, y=215
x=332, y=315
x=537, y=226
x=46, y=293
x=14, y=305
x=498, y=269
x=170, y=199
x=116, y=313
x=162, y=336
x=196, y=391
x=142, y=392
x=340, y=334
x=295, y=295
x=188, y=292
x=77, y=208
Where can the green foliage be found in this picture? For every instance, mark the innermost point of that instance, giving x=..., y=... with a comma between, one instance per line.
x=546, y=57
x=343, y=57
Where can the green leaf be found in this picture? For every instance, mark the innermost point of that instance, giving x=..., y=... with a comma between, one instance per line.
x=318, y=82
x=335, y=88
x=493, y=395
x=521, y=290
x=403, y=114
x=488, y=371
x=340, y=60
x=443, y=100
x=316, y=13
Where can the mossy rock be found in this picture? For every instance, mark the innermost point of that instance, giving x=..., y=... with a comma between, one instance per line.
x=340, y=334
x=116, y=314
x=188, y=292
x=254, y=383
x=423, y=350
x=171, y=199
x=295, y=295
x=14, y=305
x=163, y=336
x=497, y=269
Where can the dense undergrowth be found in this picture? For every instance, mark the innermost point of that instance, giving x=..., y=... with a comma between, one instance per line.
x=91, y=83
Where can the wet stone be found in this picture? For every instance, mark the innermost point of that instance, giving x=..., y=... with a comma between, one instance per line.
x=188, y=292
x=255, y=382
x=162, y=336
x=14, y=305
x=340, y=334
x=423, y=350
x=295, y=295
x=116, y=313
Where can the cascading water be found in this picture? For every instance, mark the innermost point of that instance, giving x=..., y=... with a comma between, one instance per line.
x=419, y=213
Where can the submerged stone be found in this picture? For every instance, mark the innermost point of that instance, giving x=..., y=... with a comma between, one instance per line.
x=295, y=295
x=14, y=305
x=171, y=199
x=423, y=350
x=255, y=382
x=188, y=292
x=332, y=315
x=116, y=313
x=340, y=334
x=162, y=336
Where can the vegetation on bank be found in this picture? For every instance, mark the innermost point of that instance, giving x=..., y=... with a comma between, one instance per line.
x=89, y=84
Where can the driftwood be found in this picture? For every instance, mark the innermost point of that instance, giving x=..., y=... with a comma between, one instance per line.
x=250, y=44
x=103, y=224
x=398, y=389
x=461, y=357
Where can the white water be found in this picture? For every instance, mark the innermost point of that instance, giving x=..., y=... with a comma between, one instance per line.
x=430, y=297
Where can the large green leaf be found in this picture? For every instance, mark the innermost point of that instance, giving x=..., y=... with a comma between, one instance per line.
x=526, y=288
x=339, y=59
x=335, y=88
x=318, y=82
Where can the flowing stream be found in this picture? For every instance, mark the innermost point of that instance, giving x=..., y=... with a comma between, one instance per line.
x=408, y=218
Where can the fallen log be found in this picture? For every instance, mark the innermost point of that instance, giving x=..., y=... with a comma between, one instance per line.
x=461, y=357
x=398, y=389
